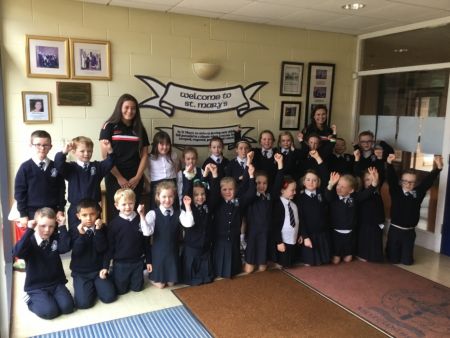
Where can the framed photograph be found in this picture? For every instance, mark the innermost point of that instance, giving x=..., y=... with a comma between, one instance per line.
x=290, y=115
x=90, y=59
x=36, y=107
x=73, y=93
x=291, y=78
x=320, y=88
x=47, y=57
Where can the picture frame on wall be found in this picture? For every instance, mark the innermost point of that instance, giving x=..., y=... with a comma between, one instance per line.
x=320, y=88
x=90, y=59
x=47, y=57
x=291, y=78
x=36, y=107
x=290, y=115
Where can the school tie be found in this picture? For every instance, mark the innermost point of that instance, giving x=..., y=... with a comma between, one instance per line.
x=218, y=161
x=44, y=244
x=285, y=152
x=265, y=152
x=313, y=195
x=85, y=166
x=242, y=165
x=167, y=213
x=345, y=200
x=89, y=232
x=291, y=215
x=42, y=165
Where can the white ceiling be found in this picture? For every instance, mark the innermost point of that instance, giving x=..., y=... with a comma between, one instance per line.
x=324, y=15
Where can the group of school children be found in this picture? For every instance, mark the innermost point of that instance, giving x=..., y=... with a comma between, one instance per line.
x=267, y=205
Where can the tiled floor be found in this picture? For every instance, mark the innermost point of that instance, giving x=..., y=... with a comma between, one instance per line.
x=428, y=264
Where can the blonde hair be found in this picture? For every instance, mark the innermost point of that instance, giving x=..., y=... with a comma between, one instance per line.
x=285, y=133
x=228, y=180
x=125, y=193
x=164, y=185
x=83, y=140
x=351, y=180
x=45, y=212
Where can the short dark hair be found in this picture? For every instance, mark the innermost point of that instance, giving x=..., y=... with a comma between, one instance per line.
x=40, y=134
x=366, y=133
x=87, y=203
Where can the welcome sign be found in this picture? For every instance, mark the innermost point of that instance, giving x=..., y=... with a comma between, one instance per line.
x=174, y=96
x=199, y=137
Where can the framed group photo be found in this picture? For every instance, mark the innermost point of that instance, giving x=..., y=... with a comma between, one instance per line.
x=47, y=57
x=291, y=78
x=290, y=115
x=320, y=88
x=36, y=107
x=90, y=59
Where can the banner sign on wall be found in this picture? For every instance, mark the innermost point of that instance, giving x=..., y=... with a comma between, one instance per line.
x=174, y=96
x=199, y=137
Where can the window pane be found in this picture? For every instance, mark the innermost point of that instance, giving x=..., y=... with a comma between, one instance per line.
x=417, y=47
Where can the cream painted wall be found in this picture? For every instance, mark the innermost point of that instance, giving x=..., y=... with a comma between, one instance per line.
x=162, y=46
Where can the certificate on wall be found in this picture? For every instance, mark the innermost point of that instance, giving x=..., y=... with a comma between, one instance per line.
x=320, y=87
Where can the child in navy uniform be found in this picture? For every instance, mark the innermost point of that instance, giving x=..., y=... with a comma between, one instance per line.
x=313, y=212
x=88, y=249
x=237, y=168
x=84, y=177
x=285, y=225
x=196, y=263
x=371, y=154
x=128, y=243
x=291, y=156
x=259, y=215
x=339, y=160
x=405, y=210
x=371, y=224
x=38, y=184
x=189, y=173
x=165, y=225
x=227, y=223
x=216, y=157
x=343, y=212
x=40, y=247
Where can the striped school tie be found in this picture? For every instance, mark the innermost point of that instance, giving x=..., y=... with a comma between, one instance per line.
x=291, y=215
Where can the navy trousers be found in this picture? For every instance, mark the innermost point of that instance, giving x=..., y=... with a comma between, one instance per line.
x=88, y=286
x=50, y=302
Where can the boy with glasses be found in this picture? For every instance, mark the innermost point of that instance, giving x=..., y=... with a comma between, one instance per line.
x=406, y=199
x=38, y=184
x=369, y=153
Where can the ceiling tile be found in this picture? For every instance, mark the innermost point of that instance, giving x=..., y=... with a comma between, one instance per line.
x=263, y=10
x=438, y=4
x=214, y=6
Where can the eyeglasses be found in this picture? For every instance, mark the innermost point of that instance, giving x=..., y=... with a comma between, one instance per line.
x=38, y=145
x=407, y=182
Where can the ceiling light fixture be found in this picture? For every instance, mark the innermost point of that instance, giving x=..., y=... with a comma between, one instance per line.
x=353, y=6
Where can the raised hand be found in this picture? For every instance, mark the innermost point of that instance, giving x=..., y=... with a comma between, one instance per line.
x=250, y=156
x=390, y=158
x=357, y=155
x=187, y=202
x=439, y=162
x=98, y=224
x=373, y=172
x=334, y=178
x=140, y=210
